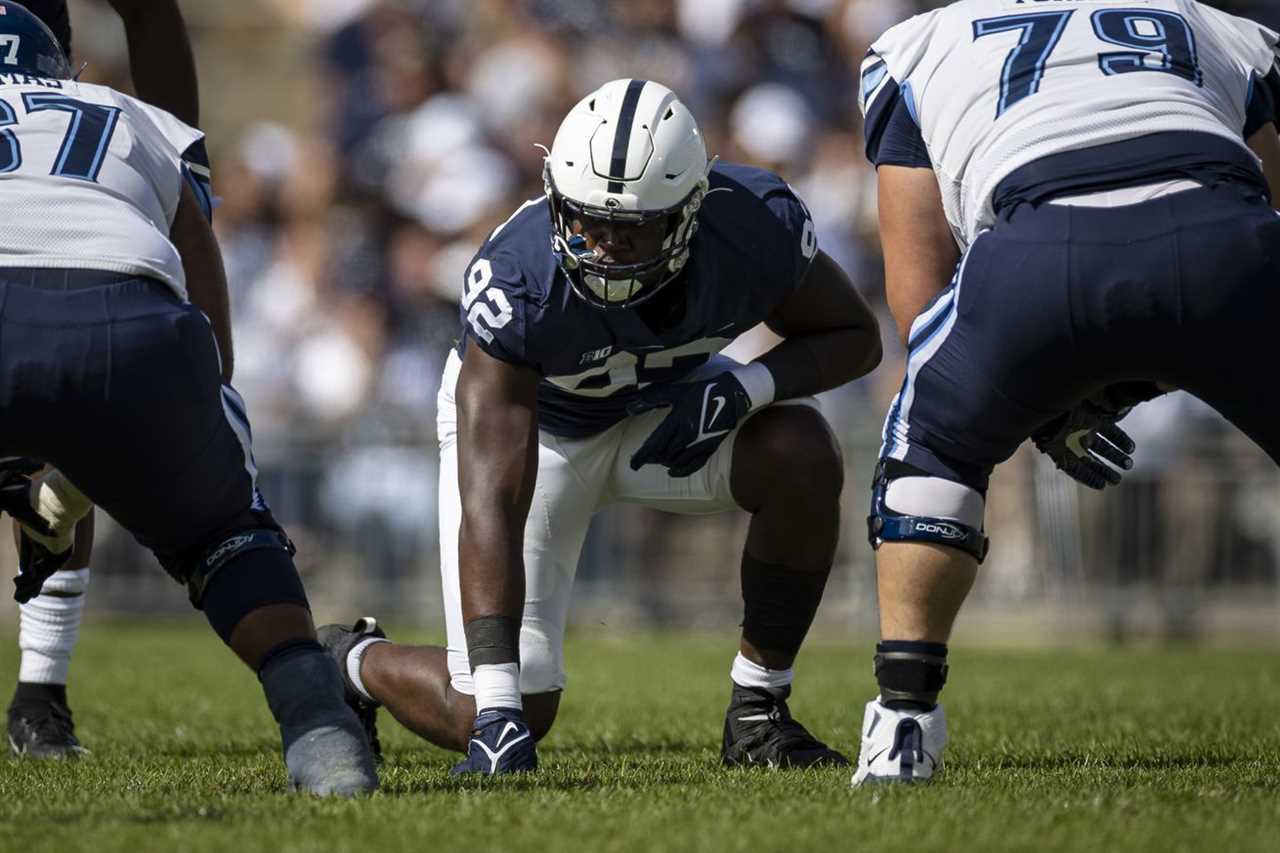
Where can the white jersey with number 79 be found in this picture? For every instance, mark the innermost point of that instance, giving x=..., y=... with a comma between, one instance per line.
x=994, y=85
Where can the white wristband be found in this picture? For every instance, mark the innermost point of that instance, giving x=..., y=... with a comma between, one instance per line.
x=757, y=381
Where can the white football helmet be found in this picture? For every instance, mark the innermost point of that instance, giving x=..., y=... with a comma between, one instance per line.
x=628, y=153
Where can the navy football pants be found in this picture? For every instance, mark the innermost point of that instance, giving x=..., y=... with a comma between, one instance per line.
x=117, y=383
x=1055, y=302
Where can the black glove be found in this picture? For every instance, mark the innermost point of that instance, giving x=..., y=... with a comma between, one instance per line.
x=702, y=415
x=35, y=562
x=1081, y=441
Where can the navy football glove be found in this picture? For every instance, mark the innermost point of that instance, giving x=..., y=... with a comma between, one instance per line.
x=1084, y=439
x=702, y=415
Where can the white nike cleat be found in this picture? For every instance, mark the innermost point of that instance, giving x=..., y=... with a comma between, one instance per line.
x=900, y=746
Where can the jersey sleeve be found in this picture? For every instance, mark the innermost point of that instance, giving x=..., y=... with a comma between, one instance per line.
x=495, y=307
x=891, y=125
x=789, y=249
x=176, y=144
x=1254, y=50
x=889, y=103
x=1263, y=105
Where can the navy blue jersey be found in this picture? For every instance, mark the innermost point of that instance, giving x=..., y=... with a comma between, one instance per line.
x=753, y=247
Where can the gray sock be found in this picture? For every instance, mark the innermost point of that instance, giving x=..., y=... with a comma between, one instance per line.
x=325, y=748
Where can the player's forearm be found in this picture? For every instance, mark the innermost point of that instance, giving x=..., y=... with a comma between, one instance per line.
x=809, y=364
x=920, y=252
x=497, y=470
x=206, y=278
x=491, y=568
x=160, y=56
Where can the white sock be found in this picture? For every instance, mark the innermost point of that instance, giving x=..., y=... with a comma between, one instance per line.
x=354, y=658
x=49, y=626
x=497, y=686
x=746, y=673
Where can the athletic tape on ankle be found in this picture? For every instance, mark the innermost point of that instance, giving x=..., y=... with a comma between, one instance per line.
x=497, y=686
x=910, y=671
x=492, y=640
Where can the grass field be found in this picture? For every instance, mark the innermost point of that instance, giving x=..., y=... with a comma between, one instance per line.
x=1051, y=750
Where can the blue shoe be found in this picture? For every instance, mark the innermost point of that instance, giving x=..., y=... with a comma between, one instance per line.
x=500, y=743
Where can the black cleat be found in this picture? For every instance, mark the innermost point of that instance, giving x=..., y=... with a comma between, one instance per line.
x=338, y=641
x=759, y=731
x=40, y=724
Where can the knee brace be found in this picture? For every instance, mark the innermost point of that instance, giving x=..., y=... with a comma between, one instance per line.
x=241, y=573
x=908, y=505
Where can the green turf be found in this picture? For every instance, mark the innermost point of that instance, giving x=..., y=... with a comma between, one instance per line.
x=1052, y=750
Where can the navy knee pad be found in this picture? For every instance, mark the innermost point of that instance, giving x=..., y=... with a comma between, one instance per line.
x=247, y=581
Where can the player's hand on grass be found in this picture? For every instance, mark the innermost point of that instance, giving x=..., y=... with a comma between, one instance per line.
x=702, y=415
x=1087, y=445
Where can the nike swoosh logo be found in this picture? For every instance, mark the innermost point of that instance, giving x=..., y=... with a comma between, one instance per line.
x=494, y=757
x=754, y=718
x=703, y=435
x=719, y=401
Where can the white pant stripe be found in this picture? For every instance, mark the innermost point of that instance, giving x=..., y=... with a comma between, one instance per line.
x=895, y=432
x=233, y=406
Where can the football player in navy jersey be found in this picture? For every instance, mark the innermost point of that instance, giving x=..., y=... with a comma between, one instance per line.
x=40, y=723
x=1077, y=213
x=588, y=374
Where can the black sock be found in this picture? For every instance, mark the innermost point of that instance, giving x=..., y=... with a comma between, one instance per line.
x=780, y=603
x=29, y=692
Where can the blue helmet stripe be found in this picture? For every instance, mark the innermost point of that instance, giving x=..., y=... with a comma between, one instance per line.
x=622, y=137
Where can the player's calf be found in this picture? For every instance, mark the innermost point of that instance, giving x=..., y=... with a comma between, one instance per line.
x=788, y=472
x=248, y=587
x=40, y=723
x=325, y=748
x=929, y=539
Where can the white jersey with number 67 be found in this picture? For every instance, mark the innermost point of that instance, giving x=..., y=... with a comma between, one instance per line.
x=996, y=84
x=90, y=178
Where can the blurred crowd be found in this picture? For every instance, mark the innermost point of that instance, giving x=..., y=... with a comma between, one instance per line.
x=355, y=189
